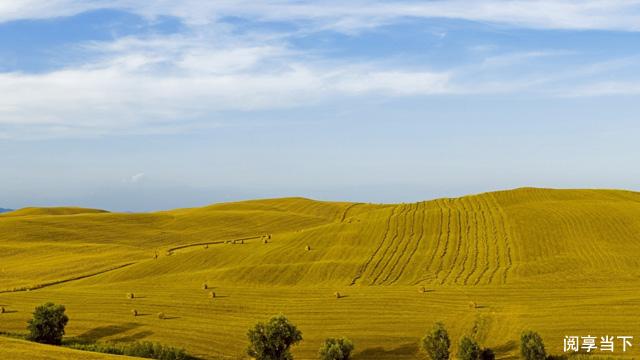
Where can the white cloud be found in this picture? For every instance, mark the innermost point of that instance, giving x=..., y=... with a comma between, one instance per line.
x=621, y=15
x=137, y=178
x=179, y=82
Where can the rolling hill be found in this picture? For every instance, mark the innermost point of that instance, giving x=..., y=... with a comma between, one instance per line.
x=550, y=260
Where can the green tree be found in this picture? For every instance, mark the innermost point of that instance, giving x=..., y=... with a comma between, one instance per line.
x=336, y=349
x=47, y=324
x=271, y=341
x=468, y=349
x=531, y=346
x=436, y=343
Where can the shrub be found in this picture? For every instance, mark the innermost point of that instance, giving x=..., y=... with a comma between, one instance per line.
x=145, y=349
x=47, y=324
x=436, y=343
x=531, y=346
x=271, y=341
x=468, y=349
x=336, y=349
x=487, y=354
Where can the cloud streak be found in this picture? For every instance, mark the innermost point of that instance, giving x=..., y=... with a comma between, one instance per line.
x=183, y=81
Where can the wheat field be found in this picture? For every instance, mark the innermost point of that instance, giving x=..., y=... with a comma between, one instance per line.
x=561, y=262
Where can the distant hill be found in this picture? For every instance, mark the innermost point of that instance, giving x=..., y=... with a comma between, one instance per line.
x=33, y=211
x=491, y=264
x=3, y=210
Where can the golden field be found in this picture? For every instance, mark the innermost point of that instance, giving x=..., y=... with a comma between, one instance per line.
x=561, y=262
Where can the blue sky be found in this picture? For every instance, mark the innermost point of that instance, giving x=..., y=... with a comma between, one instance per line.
x=143, y=105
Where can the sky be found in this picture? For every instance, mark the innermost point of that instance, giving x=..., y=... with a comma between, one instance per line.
x=132, y=105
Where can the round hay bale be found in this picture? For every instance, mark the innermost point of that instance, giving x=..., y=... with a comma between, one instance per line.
x=473, y=305
x=206, y=246
x=422, y=290
x=130, y=296
x=205, y=286
x=212, y=294
x=265, y=241
x=134, y=312
x=308, y=248
x=337, y=295
x=161, y=316
x=2, y=310
x=242, y=242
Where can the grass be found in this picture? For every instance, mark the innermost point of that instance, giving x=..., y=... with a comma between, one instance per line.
x=556, y=261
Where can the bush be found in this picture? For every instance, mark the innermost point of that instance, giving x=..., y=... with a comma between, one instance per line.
x=271, y=341
x=468, y=349
x=531, y=346
x=147, y=350
x=436, y=343
x=47, y=324
x=336, y=349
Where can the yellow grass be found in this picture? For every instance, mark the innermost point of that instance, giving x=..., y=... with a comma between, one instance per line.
x=20, y=349
x=560, y=262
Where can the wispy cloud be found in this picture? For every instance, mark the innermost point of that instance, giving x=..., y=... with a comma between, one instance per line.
x=160, y=83
x=623, y=15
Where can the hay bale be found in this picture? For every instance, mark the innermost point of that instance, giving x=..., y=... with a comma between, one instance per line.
x=130, y=296
x=422, y=290
x=2, y=310
x=242, y=242
x=265, y=241
x=473, y=305
x=308, y=248
x=337, y=295
x=205, y=286
x=161, y=316
x=206, y=246
x=134, y=312
x=212, y=295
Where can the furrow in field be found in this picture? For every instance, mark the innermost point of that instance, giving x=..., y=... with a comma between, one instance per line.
x=416, y=244
x=475, y=239
x=446, y=238
x=388, y=244
x=485, y=243
x=365, y=266
x=393, y=246
x=434, y=253
x=467, y=239
x=458, y=235
x=406, y=241
x=495, y=240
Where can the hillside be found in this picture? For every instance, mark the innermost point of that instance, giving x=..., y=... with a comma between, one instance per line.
x=526, y=255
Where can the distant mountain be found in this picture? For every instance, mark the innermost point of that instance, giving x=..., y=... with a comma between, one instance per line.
x=5, y=210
